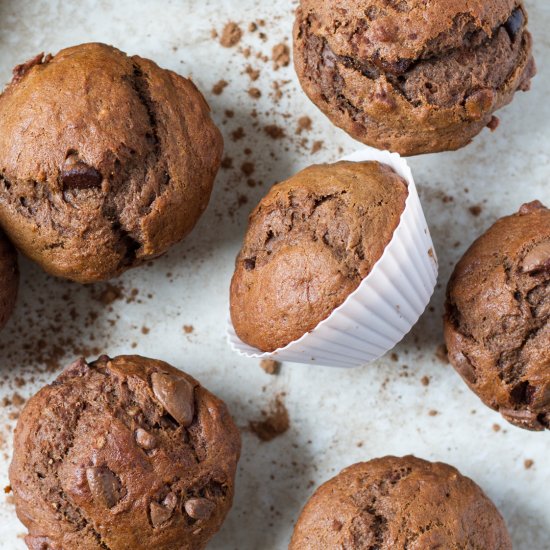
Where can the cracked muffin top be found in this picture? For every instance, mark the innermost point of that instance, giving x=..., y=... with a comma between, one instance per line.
x=497, y=320
x=409, y=76
x=123, y=453
x=390, y=503
x=9, y=279
x=105, y=160
x=309, y=244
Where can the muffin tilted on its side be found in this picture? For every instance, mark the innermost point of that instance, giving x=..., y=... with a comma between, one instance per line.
x=105, y=160
x=497, y=319
x=412, y=77
x=123, y=453
x=395, y=503
x=309, y=244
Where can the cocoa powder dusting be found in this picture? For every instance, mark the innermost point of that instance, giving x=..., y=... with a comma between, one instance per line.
x=274, y=423
x=219, y=87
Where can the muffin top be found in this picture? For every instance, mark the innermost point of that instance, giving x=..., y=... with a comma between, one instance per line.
x=309, y=244
x=105, y=160
x=413, y=77
x=497, y=321
x=123, y=453
x=390, y=503
x=9, y=279
x=395, y=34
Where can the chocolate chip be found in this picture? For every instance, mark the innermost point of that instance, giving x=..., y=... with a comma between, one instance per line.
x=78, y=175
x=104, y=486
x=145, y=440
x=537, y=259
x=176, y=395
x=465, y=368
x=514, y=23
x=159, y=514
x=250, y=264
x=199, y=508
x=170, y=501
x=522, y=418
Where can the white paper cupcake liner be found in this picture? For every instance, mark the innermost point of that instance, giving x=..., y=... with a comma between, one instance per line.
x=387, y=303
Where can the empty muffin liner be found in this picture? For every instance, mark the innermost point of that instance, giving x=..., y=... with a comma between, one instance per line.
x=387, y=303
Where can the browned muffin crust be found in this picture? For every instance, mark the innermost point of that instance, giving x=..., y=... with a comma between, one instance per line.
x=392, y=503
x=105, y=160
x=9, y=279
x=309, y=244
x=497, y=320
x=123, y=453
x=409, y=76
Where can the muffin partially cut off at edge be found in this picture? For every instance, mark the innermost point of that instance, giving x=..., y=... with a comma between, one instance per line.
x=392, y=503
x=412, y=77
x=497, y=317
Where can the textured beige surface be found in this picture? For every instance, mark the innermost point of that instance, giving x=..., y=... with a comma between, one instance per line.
x=337, y=417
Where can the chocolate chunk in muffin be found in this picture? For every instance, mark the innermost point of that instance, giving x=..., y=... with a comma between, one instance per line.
x=123, y=453
x=309, y=244
x=412, y=77
x=106, y=160
x=392, y=503
x=497, y=320
x=9, y=279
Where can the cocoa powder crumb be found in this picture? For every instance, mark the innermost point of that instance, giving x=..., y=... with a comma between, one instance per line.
x=304, y=125
x=17, y=400
x=253, y=74
x=145, y=330
x=317, y=146
x=109, y=294
x=231, y=35
x=254, y=93
x=433, y=412
x=425, y=380
x=280, y=56
x=274, y=131
x=227, y=163
x=496, y=427
x=237, y=134
x=188, y=329
x=475, y=210
x=270, y=366
x=219, y=87
x=248, y=168
x=275, y=421
x=528, y=463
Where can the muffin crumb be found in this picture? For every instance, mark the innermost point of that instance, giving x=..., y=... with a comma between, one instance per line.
x=231, y=35
x=270, y=366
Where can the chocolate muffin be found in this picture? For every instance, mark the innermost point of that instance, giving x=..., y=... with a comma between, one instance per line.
x=9, y=279
x=497, y=320
x=412, y=77
x=123, y=453
x=309, y=244
x=400, y=503
x=105, y=160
